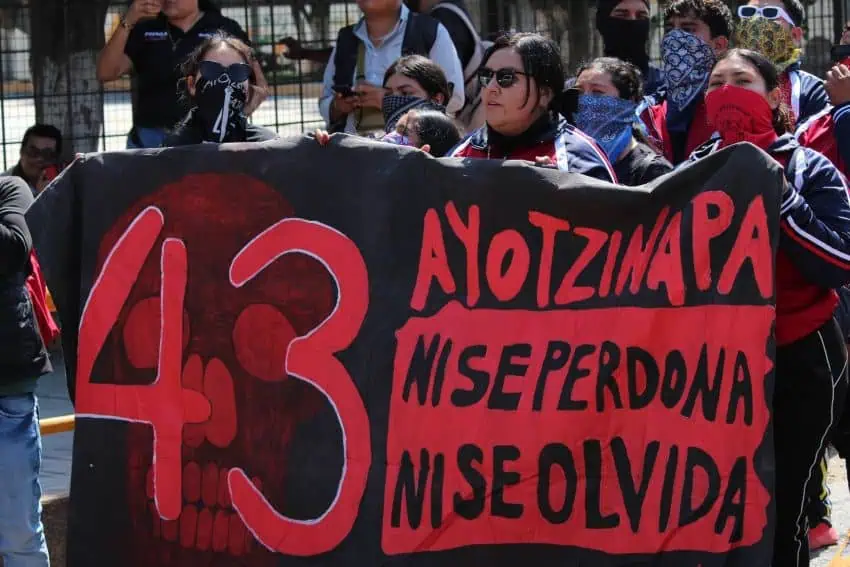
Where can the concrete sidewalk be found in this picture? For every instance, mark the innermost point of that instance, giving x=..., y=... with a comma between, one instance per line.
x=53, y=402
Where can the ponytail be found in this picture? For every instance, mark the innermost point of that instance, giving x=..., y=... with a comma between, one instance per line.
x=783, y=120
x=565, y=103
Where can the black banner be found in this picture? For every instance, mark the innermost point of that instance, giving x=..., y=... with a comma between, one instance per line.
x=359, y=355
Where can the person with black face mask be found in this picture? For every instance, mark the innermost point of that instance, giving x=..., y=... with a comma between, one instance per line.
x=624, y=27
x=219, y=84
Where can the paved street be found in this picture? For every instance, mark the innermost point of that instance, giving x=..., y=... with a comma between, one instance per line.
x=53, y=402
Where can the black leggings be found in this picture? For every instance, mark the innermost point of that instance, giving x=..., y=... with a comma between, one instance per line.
x=811, y=383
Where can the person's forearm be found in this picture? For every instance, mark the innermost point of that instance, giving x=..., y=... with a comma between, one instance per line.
x=111, y=57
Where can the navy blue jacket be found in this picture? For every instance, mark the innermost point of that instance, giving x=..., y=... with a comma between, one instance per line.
x=808, y=94
x=814, y=246
x=568, y=148
x=828, y=132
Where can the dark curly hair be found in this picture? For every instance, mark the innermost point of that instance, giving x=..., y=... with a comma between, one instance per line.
x=715, y=14
x=625, y=76
x=436, y=129
x=796, y=10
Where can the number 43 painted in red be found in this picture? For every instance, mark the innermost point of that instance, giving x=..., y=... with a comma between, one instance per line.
x=166, y=406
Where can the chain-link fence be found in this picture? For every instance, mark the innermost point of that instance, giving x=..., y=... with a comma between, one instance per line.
x=48, y=52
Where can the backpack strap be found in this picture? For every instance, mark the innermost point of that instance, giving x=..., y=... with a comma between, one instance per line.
x=478, y=54
x=345, y=58
x=419, y=35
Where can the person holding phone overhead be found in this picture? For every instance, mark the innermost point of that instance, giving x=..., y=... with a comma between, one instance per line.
x=154, y=39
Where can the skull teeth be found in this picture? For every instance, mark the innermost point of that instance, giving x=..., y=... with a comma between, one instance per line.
x=207, y=521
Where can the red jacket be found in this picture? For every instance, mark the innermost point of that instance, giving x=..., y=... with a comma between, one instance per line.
x=826, y=132
x=655, y=119
x=38, y=294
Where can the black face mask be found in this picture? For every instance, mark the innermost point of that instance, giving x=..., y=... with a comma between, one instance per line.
x=221, y=109
x=626, y=40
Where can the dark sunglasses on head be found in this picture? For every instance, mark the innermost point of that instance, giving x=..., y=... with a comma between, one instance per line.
x=212, y=71
x=47, y=154
x=505, y=78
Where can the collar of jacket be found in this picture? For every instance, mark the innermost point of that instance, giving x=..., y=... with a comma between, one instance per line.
x=544, y=129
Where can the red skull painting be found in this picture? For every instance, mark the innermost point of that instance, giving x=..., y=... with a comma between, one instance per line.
x=232, y=361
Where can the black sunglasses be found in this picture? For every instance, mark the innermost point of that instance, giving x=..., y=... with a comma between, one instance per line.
x=47, y=154
x=505, y=78
x=237, y=73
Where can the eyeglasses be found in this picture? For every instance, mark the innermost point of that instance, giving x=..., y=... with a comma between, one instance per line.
x=769, y=12
x=237, y=73
x=505, y=78
x=47, y=154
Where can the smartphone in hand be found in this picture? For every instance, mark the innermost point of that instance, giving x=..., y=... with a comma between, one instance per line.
x=344, y=90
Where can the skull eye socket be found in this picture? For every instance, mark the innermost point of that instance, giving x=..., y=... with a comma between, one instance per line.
x=261, y=337
x=142, y=330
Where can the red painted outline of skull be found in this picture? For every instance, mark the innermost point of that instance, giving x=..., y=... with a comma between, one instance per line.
x=233, y=352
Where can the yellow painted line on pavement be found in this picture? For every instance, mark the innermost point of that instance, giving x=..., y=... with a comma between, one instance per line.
x=837, y=560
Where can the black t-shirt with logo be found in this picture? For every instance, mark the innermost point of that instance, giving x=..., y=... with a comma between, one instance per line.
x=157, y=50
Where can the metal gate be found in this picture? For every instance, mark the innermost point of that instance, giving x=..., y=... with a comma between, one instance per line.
x=27, y=27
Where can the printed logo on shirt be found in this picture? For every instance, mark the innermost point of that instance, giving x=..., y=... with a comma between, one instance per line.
x=156, y=35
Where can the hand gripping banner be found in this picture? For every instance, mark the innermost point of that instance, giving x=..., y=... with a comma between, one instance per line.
x=358, y=355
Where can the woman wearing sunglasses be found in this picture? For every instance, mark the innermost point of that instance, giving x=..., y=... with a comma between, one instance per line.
x=219, y=83
x=611, y=90
x=743, y=104
x=522, y=81
x=773, y=28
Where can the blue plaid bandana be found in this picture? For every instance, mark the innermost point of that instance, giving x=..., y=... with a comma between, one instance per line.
x=608, y=120
x=688, y=61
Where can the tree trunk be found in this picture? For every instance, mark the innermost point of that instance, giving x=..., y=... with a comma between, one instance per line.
x=319, y=20
x=66, y=37
x=580, y=28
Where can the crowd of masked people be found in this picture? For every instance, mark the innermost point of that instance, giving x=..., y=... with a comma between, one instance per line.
x=418, y=74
